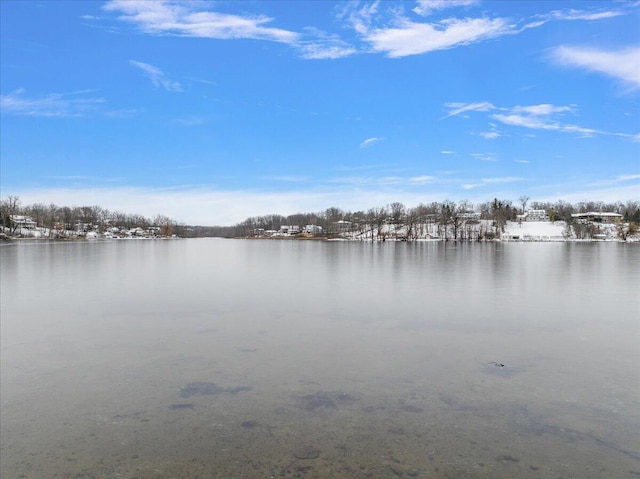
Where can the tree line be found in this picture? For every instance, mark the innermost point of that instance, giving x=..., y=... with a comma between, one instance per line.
x=81, y=218
x=452, y=220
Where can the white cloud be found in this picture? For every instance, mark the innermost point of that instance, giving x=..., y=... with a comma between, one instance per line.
x=323, y=46
x=286, y=178
x=326, y=51
x=157, y=76
x=189, y=121
x=447, y=152
x=489, y=135
x=490, y=181
x=51, y=105
x=504, y=179
x=628, y=177
x=426, y=7
x=411, y=38
x=458, y=108
x=422, y=179
x=362, y=18
x=526, y=121
x=542, y=123
x=368, y=180
x=190, y=20
x=544, y=116
x=573, y=14
x=543, y=109
x=485, y=156
x=369, y=142
x=391, y=30
x=624, y=65
x=193, y=19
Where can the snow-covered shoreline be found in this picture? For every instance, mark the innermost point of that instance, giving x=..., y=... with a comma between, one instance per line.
x=480, y=230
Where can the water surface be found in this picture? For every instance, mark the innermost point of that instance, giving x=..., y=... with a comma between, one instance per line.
x=233, y=358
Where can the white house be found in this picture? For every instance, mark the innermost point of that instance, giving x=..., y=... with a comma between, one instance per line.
x=533, y=215
x=313, y=229
x=21, y=221
x=290, y=229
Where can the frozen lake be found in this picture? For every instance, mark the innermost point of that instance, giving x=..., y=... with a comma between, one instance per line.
x=257, y=359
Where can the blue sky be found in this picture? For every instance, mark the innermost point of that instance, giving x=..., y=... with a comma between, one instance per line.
x=211, y=112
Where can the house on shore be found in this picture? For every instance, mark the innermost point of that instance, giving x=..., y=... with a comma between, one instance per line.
x=313, y=229
x=22, y=222
x=597, y=217
x=533, y=215
x=290, y=230
x=340, y=227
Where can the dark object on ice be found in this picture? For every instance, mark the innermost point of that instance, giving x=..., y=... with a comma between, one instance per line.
x=250, y=424
x=200, y=389
x=181, y=406
x=501, y=369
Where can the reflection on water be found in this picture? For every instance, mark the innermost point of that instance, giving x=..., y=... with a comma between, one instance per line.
x=221, y=358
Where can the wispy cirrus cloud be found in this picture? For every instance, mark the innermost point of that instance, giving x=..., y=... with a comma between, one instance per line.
x=71, y=104
x=326, y=50
x=543, y=116
x=490, y=135
x=588, y=15
x=459, y=108
x=485, y=156
x=493, y=134
x=286, y=178
x=319, y=45
x=157, y=76
x=413, y=38
x=390, y=30
x=394, y=32
x=426, y=7
x=383, y=28
x=628, y=177
x=370, y=142
x=195, y=19
x=422, y=179
x=189, y=19
x=491, y=181
x=623, y=65
x=368, y=180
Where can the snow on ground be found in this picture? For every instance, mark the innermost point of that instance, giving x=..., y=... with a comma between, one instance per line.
x=536, y=229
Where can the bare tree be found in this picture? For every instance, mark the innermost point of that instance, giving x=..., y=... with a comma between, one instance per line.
x=376, y=218
x=397, y=216
x=165, y=224
x=10, y=207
